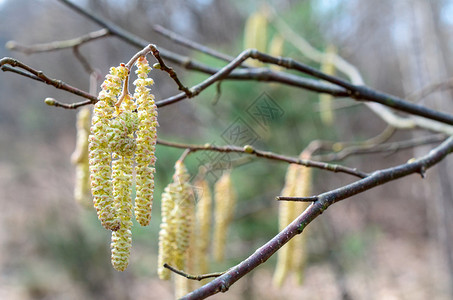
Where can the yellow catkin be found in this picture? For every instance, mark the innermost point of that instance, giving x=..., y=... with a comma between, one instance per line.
x=285, y=216
x=122, y=188
x=303, y=189
x=177, y=211
x=146, y=143
x=325, y=100
x=183, y=214
x=255, y=34
x=79, y=158
x=100, y=156
x=182, y=285
x=292, y=256
x=203, y=226
x=225, y=202
x=276, y=49
x=167, y=232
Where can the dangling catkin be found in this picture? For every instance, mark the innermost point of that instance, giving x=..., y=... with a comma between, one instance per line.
x=146, y=143
x=325, y=100
x=225, y=202
x=167, y=232
x=203, y=226
x=99, y=148
x=123, y=128
x=255, y=34
x=292, y=256
x=276, y=49
x=303, y=189
x=122, y=188
x=285, y=216
x=177, y=211
x=79, y=158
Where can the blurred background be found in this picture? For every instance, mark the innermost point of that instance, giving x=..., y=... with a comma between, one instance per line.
x=393, y=242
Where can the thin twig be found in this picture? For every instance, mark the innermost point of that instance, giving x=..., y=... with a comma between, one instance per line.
x=356, y=91
x=57, y=45
x=40, y=76
x=429, y=89
x=170, y=71
x=224, y=282
x=193, y=277
x=191, y=44
x=299, y=199
x=268, y=155
x=381, y=148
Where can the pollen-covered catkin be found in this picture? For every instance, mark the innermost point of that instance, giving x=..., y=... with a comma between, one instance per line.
x=255, y=34
x=225, y=202
x=292, y=256
x=122, y=188
x=303, y=189
x=203, y=227
x=146, y=143
x=177, y=211
x=285, y=216
x=79, y=158
x=99, y=151
x=167, y=232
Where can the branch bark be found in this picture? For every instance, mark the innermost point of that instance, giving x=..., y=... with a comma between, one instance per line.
x=224, y=282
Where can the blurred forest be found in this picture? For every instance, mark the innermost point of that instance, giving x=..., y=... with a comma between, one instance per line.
x=393, y=242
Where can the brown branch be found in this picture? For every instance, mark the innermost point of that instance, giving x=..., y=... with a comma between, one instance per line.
x=57, y=45
x=191, y=44
x=381, y=148
x=429, y=89
x=170, y=71
x=40, y=76
x=268, y=155
x=299, y=199
x=223, y=283
x=193, y=277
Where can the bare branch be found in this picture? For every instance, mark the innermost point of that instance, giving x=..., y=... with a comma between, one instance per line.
x=57, y=45
x=40, y=76
x=170, y=71
x=380, y=148
x=191, y=44
x=268, y=155
x=222, y=283
x=298, y=199
x=193, y=277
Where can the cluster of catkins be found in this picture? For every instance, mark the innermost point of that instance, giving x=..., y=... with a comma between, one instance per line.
x=292, y=256
x=185, y=231
x=123, y=131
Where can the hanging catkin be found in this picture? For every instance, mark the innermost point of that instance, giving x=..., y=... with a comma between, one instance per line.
x=325, y=100
x=122, y=187
x=203, y=226
x=303, y=189
x=285, y=216
x=177, y=213
x=225, y=202
x=79, y=158
x=255, y=34
x=291, y=257
x=123, y=128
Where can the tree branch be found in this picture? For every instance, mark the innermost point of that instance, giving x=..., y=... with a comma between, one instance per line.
x=268, y=155
x=57, y=45
x=193, y=277
x=40, y=76
x=222, y=283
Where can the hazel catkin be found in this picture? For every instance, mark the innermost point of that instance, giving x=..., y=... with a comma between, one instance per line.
x=79, y=158
x=292, y=256
x=177, y=211
x=225, y=202
x=146, y=143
